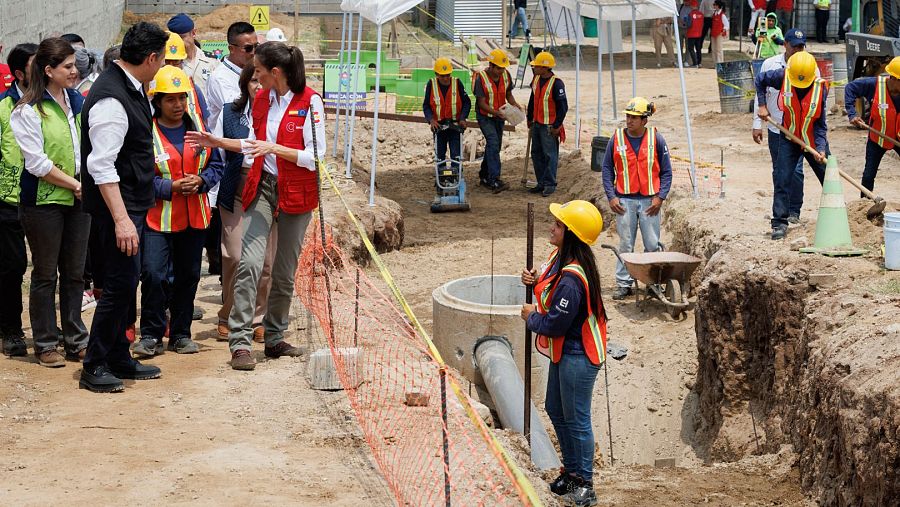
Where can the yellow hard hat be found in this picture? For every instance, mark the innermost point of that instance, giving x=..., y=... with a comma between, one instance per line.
x=442, y=66
x=544, y=59
x=170, y=79
x=639, y=106
x=801, y=69
x=175, y=48
x=893, y=67
x=498, y=57
x=581, y=217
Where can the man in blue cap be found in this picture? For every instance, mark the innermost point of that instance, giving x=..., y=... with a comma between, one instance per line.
x=794, y=41
x=198, y=64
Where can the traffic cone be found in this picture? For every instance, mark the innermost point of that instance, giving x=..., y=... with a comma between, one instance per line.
x=832, y=226
x=472, y=56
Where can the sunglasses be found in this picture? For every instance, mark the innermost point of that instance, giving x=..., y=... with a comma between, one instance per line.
x=249, y=48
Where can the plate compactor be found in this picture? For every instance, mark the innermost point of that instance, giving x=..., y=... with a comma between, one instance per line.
x=449, y=183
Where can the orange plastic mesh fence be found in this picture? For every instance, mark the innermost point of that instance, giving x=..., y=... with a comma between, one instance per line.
x=710, y=177
x=427, y=449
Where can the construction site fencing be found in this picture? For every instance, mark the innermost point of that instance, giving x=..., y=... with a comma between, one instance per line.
x=430, y=445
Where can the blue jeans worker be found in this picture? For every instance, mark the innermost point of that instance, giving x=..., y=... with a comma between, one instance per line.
x=570, y=322
x=883, y=92
x=446, y=107
x=546, y=113
x=637, y=176
x=493, y=90
x=519, y=19
x=802, y=99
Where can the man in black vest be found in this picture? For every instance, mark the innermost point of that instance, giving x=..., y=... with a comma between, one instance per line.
x=117, y=150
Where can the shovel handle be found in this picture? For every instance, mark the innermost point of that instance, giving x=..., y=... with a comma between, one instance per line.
x=790, y=135
x=883, y=136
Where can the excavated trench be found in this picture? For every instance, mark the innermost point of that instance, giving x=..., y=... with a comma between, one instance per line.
x=800, y=350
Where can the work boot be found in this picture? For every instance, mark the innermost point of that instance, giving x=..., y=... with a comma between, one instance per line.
x=76, y=356
x=50, y=358
x=184, y=346
x=198, y=313
x=134, y=370
x=621, y=293
x=147, y=347
x=222, y=332
x=14, y=346
x=794, y=219
x=779, y=232
x=499, y=186
x=284, y=349
x=562, y=484
x=548, y=191
x=100, y=380
x=536, y=190
x=242, y=360
x=582, y=494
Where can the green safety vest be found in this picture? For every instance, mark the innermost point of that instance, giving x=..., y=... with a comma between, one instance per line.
x=60, y=150
x=11, y=160
x=823, y=4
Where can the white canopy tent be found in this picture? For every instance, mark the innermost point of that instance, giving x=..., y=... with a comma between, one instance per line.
x=624, y=10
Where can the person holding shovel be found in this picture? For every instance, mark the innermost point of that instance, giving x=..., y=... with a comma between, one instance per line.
x=802, y=99
x=570, y=322
x=883, y=92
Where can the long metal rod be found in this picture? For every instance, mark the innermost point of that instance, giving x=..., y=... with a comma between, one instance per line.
x=445, y=432
x=612, y=459
x=349, y=85
x=529, y=262
x=612, y=68
x=355, y=79
x=684, y=104
x=375, y=126
x=633, y=52
x=577, y=76
x=337, y=103
x=599, y=73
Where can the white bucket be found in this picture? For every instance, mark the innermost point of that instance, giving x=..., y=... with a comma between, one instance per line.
x=892, y=241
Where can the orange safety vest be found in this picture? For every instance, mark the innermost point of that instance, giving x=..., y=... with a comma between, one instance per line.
x=593, y=331
x=495, y=93
x=799, y=116
x=193, y=106
x=636, y=173
x=445, y=107
x=544, y=105
x=182, y=211
x=883, y=117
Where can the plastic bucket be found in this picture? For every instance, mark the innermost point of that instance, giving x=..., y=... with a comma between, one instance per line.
x=892, y=241
x=735, y=86
x=598, y=151
x=839, y=67
x=825, y=63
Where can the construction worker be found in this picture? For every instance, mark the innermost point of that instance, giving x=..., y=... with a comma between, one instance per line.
x=519, y=19
x=13, y=257
x=175, y=232
x=176, y=55
x=770, y=38
x=802, y=99
x=570, y=322
x=823, y=12
x=46, y=124
x=883, y=92
x=547, y=108
x=446, y=107
x=493, y=89
x=637, y=176
x=198, y=65
x=794, y=41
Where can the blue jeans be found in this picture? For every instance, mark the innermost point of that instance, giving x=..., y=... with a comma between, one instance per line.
x=874, y=154
x=635, y=216
x=544, y=155
x=570, y=386
x=789, y=155
x=519, y=18
x=492, y=129
x=795, y=201
x=448, y=138
x=169, y=279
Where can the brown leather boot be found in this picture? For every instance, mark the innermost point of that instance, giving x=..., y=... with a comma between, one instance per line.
x=51, y=359
x=242, y=360
x=284, y=349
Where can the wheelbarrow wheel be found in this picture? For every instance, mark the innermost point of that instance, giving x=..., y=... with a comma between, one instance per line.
x=673, y=294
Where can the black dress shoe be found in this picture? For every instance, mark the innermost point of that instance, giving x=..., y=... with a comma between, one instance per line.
x=135, y=371
x=100, y=380
x=536, y=190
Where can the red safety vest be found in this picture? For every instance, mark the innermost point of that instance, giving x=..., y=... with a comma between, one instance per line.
x=495, y=93
x=636, y=173
x=759, y=5
x=593, y=331
x=544, y=105
x=883, y=117
x=298, y=190
x=784, y=5
x=696, y=28
x=445, y=106
x=799, y=116
x=182, y=211
x=718, y=28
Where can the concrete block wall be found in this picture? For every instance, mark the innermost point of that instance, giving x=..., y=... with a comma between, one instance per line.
x=205, y=6
x=97, y=21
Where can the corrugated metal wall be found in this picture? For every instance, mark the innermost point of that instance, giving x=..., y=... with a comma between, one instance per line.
x=470, y=18
x=444, y=11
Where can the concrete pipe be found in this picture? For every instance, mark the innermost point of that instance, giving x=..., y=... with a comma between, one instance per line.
x=493, y=358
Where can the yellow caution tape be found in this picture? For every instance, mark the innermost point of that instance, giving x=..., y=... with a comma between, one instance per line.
x=747, y=93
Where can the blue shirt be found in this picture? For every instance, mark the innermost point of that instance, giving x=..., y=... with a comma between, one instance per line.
x=862, y=87
x=567, y=313
x=211, y=175
x=662, y=155
x=775, y=79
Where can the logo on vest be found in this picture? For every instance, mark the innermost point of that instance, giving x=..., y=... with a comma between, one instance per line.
x=883, y=105
x=290, y=126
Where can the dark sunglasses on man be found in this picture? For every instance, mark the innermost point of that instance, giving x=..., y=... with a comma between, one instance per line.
x=248, y=48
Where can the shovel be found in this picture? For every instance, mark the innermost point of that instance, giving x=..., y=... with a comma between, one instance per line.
x=873, y=211
x=883, y=136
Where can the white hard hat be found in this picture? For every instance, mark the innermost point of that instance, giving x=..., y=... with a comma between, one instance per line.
x=276, y=35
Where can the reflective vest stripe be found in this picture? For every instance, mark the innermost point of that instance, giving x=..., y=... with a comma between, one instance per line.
x=436, y=98
x=495, y=101
x=788, y=108
x=596, y=335
x=542, y=100
x=815, y=103
x=883, y=113
x=622, y=149
x=651, y=157
x=165, y=218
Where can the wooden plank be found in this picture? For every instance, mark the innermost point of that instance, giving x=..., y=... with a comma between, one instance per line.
x=402, y=117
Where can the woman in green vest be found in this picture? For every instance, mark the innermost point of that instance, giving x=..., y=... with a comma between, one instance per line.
x=47, y=125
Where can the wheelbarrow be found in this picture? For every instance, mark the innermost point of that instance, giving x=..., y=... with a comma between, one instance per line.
x=656, y=270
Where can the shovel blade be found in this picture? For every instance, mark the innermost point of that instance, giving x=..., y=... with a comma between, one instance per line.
x=876, y=209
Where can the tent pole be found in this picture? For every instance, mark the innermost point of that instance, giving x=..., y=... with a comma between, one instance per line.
x=337, y=105
x=375, y=126
x=633, y=52
x=612, y=68
x=349, y=83
x=355, y=79
x=599, y=72
x=577, y=77
x=684, y=104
